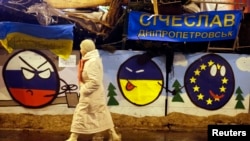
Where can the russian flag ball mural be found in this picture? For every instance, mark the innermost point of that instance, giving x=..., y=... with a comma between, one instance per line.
x=31, y=79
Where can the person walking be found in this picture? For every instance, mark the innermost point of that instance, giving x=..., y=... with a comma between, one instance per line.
x=91, y=115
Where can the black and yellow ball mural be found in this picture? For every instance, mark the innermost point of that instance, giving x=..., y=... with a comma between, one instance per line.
x=140, y=84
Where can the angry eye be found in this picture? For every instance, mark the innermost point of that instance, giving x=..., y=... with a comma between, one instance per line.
x=28, y=74
x=45, y=74
x=130, y=70
x=139, y=71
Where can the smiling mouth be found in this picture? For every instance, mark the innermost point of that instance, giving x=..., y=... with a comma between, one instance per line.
x=130, y=86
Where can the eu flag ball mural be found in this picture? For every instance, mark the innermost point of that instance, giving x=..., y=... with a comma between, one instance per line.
x=209, y=82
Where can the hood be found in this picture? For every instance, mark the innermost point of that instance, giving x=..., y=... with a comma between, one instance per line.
x=91, y=54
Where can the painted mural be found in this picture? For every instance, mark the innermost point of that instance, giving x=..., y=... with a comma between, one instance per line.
x=39, y=82
x=210, y=84
x=35, y=79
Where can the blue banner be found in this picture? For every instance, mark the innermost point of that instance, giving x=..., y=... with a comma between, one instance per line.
x=197, y=27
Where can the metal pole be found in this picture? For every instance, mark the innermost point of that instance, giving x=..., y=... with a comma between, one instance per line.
x=167, y=73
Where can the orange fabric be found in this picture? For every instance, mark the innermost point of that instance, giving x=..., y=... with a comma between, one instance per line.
x=80, y=69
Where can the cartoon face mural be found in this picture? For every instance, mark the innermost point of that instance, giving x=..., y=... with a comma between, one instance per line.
x=209, y=82
x=31, y=79
x=140, y=84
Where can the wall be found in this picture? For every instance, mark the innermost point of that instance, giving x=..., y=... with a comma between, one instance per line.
x=199, y=84
x=213, y=83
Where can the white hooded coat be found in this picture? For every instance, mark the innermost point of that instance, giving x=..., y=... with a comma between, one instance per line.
x=91, y=113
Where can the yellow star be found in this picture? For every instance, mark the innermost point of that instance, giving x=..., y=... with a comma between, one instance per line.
x=196, y=88
x=200, y=96
x=197, y=72
x=222, y=89
x=192, y=80
x=218, y=66
x=203, y=67
x=224, y=80
x=209, y=101
x=210, y=63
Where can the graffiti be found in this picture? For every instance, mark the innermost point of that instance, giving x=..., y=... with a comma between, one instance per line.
x=32, y=81
x=139, y=83
x=199, y=84
x=209, y=82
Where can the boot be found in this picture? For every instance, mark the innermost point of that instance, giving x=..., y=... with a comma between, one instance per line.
x=113, y=136
x=73, y=137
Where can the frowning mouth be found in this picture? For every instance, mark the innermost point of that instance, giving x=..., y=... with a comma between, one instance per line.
x=29, y=92
x=32, y=93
